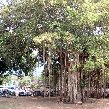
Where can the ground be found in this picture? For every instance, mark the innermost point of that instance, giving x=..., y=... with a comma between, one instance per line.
x=45, y=103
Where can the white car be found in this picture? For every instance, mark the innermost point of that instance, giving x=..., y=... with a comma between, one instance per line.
x=22, y=92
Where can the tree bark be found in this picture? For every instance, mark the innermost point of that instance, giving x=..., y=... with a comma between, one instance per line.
x=45, y=70
x=72, y=82
x=49, y=70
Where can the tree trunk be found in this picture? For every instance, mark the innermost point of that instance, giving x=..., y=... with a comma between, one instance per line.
x=45, y=70
x=73, y=82
x=49, y=70
x=104, y=81
x=72, y=87
x=61, y=76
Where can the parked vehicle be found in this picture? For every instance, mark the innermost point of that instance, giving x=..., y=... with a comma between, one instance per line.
x=12, y=90
x=22, y=92
x=4, y=92
x=28, y=93
x=44, y=93
x=37, y=93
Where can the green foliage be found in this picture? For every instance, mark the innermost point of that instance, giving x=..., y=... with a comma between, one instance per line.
x=25, y=81
x=67, y=24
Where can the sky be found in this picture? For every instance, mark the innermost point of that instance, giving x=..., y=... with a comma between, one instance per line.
x=3, y=1
x=39, y=68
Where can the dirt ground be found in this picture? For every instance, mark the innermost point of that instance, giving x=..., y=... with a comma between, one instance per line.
x=45, y=103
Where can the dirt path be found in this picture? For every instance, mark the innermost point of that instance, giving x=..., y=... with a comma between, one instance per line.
x=45, y=103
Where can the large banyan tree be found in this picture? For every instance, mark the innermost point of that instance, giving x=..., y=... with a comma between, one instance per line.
x=71, y=37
